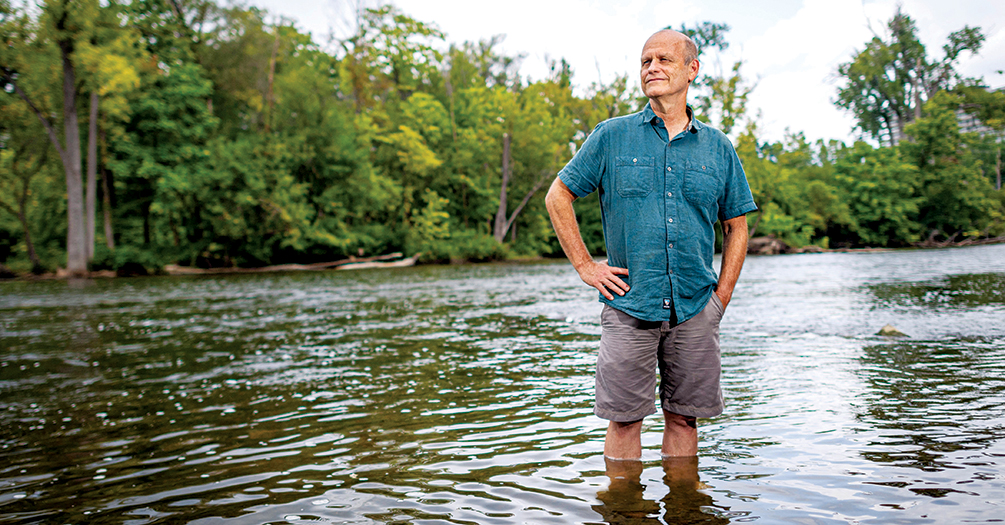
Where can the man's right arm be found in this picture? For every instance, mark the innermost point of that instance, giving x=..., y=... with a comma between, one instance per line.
x=563, y=218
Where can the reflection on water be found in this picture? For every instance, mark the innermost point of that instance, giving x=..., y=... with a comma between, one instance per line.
x=623, y=501
x=966, y=291
x=933, y=401
x=464, y=395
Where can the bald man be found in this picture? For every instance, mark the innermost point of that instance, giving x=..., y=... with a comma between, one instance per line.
x=664, y=180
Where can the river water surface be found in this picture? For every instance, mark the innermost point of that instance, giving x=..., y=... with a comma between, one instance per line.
x=464, y=395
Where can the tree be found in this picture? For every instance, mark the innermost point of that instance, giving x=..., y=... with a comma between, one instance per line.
x=390, y=53
x=108, y=59
x=988, y=107
x=882, y=190
x=63, y=23
x=23, y=154
x=888, y=82
x=957, y=198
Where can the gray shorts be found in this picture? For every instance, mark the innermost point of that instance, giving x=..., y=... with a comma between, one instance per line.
x=687, y=356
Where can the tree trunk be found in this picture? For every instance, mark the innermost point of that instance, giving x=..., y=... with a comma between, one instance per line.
x=998, y=170
x=106, y=200
x=499, y=231
x=23, y=217
x=76, y=254
x=753, y=227
x=450, y=98
x=146, y=223
x=92, y=177
x=269, y=97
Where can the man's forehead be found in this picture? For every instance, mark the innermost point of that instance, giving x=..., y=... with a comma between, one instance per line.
x=663, y=40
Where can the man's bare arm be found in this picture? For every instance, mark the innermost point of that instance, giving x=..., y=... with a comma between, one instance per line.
x=563, y=217
x=734, y=251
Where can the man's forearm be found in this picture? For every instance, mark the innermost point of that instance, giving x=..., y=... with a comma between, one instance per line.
x=734, y=251
x=563, y=219
x=598, y=275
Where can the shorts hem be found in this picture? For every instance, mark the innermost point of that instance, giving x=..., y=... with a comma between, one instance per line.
x=623, y=417
x=693, y=411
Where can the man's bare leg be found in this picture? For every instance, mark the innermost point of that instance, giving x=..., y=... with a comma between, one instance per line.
x=624, y=440
x=680, y=435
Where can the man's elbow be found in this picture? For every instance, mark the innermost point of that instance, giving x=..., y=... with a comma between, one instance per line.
x=558, y=194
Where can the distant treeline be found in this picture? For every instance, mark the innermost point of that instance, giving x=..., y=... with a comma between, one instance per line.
x=137, y=134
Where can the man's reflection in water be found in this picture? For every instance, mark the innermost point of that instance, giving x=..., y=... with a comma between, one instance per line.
x=624, y=501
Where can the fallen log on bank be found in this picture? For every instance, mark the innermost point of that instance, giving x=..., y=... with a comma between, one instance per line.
x=174, y=269
x=953, y=243
x=376, y=264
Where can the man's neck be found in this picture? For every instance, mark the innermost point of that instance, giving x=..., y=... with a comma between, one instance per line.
x=673, y=111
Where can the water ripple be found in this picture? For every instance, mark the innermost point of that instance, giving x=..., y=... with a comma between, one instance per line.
x=464, y=395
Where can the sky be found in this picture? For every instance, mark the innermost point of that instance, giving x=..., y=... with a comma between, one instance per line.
x=790, y=48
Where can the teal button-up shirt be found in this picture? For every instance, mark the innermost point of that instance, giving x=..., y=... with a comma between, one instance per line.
x=660, y=198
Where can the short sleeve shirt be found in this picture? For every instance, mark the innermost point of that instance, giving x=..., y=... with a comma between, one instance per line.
x=660, y=198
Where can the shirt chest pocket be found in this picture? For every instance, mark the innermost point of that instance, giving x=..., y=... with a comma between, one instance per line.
x=633, y=176
x=702, y=182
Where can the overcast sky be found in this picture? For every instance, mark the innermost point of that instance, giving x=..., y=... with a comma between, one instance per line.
x=791, y=48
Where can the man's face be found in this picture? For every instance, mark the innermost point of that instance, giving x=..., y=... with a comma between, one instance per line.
x=663, y=69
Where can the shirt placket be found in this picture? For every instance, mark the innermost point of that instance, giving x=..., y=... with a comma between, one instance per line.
x=671, y=194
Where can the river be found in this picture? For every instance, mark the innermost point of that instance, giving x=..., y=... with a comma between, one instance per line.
x=463, y=394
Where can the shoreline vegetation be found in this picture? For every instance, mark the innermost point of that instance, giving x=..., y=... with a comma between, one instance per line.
x=759, y=246
x=196, y=137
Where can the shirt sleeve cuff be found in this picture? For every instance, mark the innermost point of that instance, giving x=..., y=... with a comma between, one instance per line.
x=736, y=211
x=569, y=180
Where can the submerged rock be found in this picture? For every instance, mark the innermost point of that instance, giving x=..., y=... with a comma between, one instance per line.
x=890, y=331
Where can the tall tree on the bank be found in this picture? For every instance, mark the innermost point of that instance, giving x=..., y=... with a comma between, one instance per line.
x=108, y=59
x=888, y=82
x=63, y=22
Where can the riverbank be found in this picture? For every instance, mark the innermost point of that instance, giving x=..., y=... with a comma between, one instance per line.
x=769, y=245
x=757, y=246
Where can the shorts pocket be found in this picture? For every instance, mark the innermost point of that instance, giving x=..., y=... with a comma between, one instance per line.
x=717, y=304
x=633, y=176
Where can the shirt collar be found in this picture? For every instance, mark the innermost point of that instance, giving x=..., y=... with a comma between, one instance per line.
x=649, y=116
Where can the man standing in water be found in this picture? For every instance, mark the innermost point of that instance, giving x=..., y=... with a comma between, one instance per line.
x=664, y=180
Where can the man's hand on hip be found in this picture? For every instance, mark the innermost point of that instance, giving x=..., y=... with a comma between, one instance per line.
x=604, y=278
x=724, y=297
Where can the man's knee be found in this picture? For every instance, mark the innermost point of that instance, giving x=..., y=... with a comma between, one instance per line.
x=680, y=420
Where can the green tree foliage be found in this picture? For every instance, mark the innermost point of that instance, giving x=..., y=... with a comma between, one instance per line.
x=882, y=194
x=958, y=200
x=889, y=81
x=23, y=156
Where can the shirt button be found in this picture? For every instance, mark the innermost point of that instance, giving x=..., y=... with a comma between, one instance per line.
x=670, y=245
x=669, y=194
x=669, y=220
x=669, y=168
